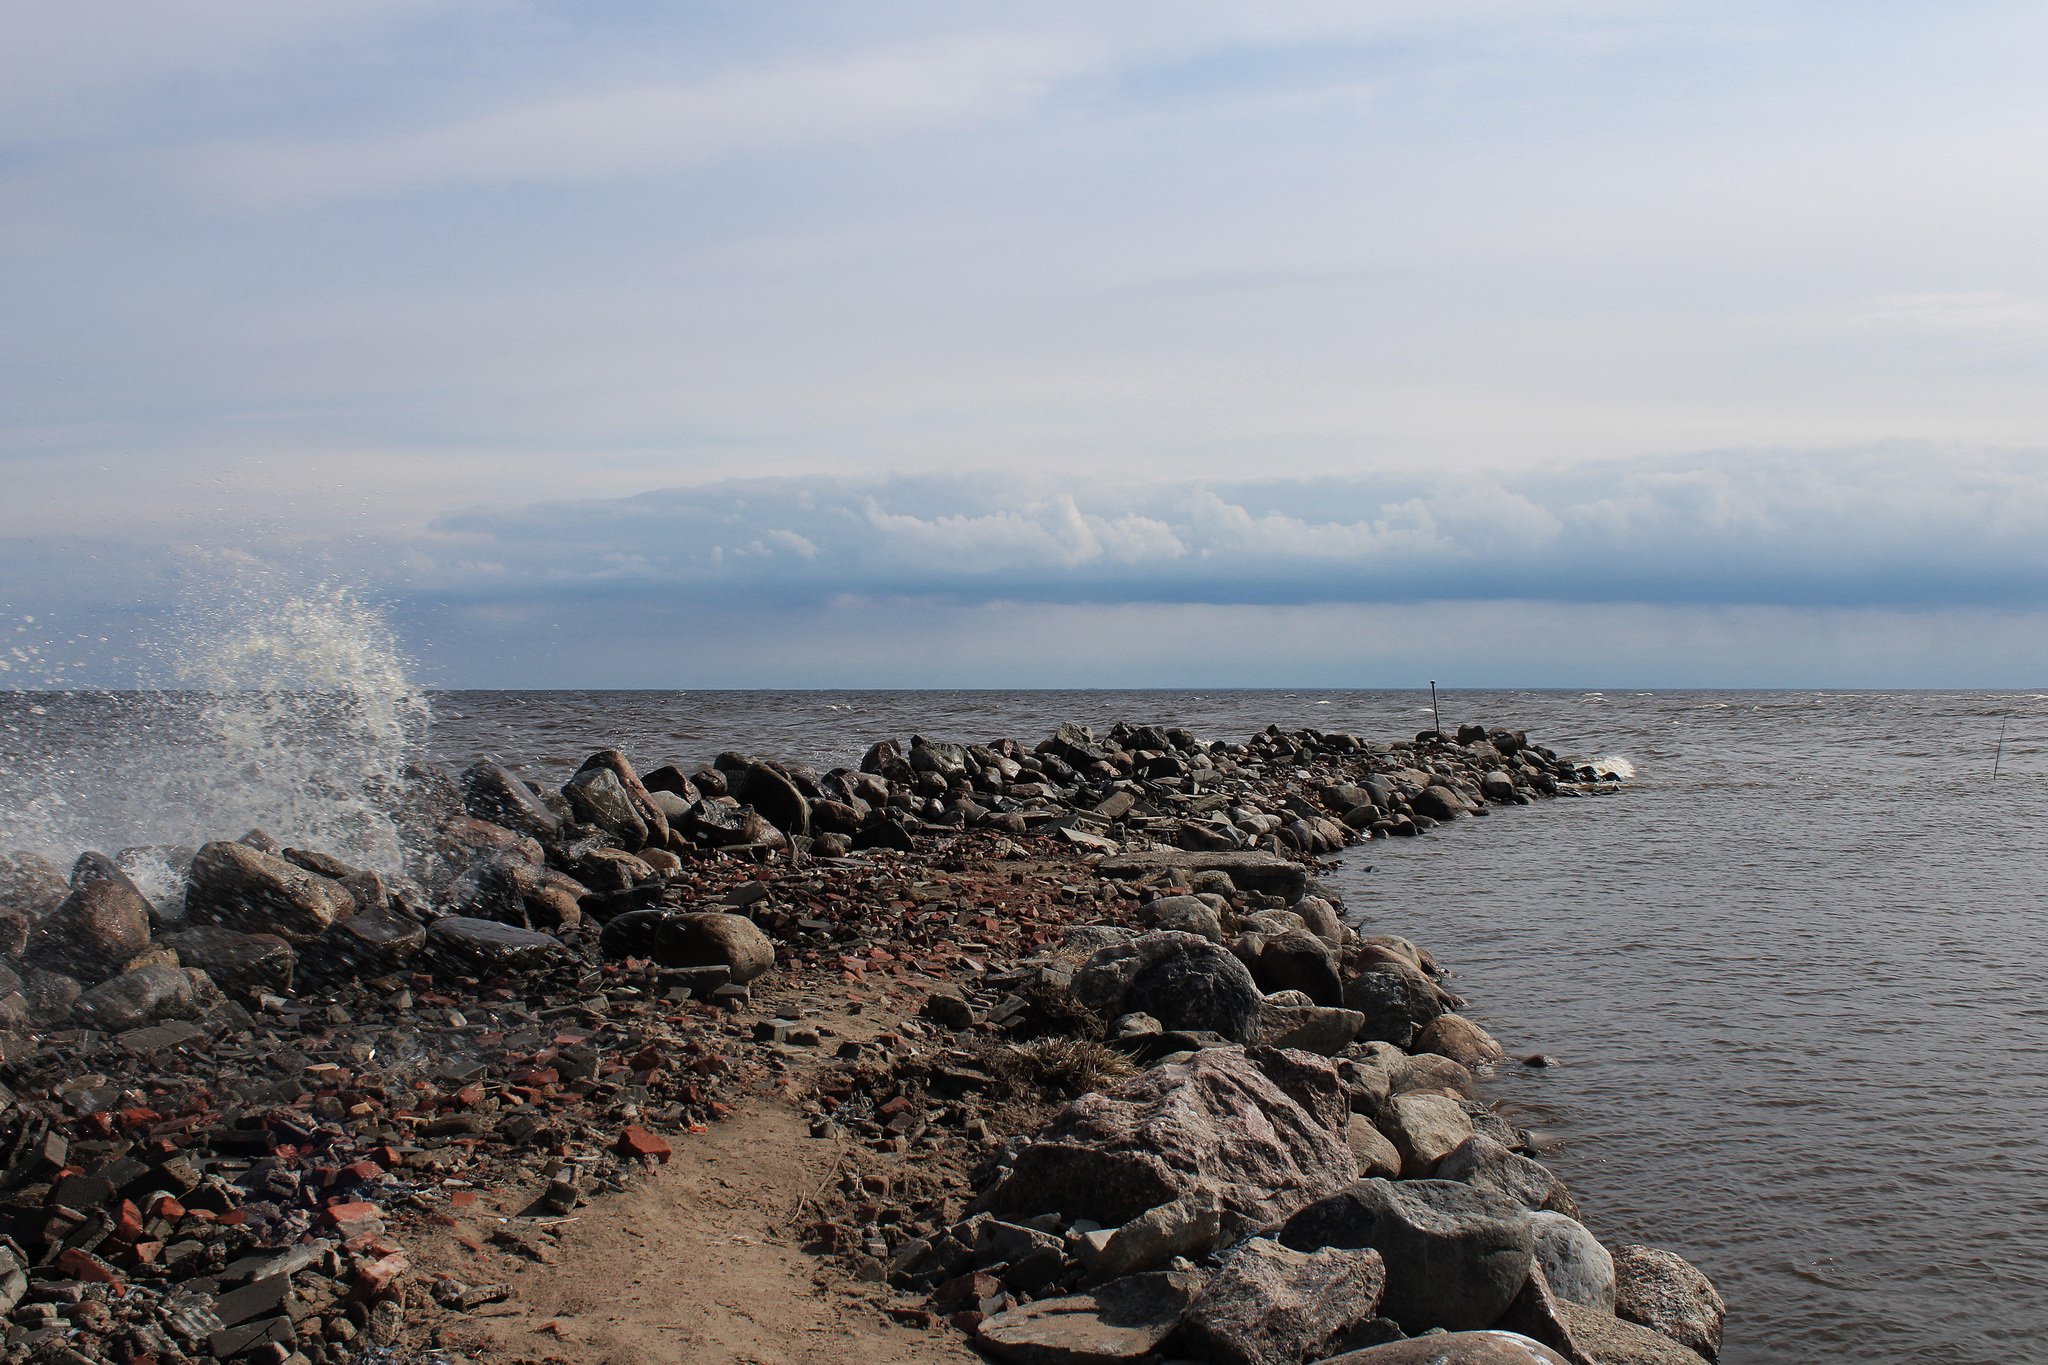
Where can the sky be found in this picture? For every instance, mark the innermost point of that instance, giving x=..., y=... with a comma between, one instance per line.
x=616, y=344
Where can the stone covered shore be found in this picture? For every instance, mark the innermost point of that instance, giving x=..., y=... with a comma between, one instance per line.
x=1106, y=1070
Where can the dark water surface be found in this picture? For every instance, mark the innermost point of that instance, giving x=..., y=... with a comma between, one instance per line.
x=1795, y=968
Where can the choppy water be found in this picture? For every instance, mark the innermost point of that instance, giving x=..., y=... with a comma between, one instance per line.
x=1795, y=968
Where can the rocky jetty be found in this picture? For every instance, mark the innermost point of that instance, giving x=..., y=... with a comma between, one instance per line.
x=1112, y=1073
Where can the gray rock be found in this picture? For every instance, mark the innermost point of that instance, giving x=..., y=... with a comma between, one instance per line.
x=1610, y=1340
x=1124, y=1320
x=1307, y=1028
x=1298, y=961
x=1260, y=1127
x=1662, y=1291
x=486, y=947
x=937, y=756
x=240, y=964
x=1428, y=1073
x=1185, y=1227
x=364, y=946
x=239, y=888
x=1183, y=981
x=1577, y=1267
x=494, y=793
x=1455, y=1348
x=691, y=940
x=1440, y=803
x=1458, y=1038
x=1184, y=915
x=48, y=996
x=1369, y=1147
x=1268, y=1304
x=1321, y=919
x=599, y=798
x=1424, y=1129
x=143, y=996
x=1483, y=1162
x=1497, y=786
x=1267, y=873
x=1456, y=1255
x=778, y=801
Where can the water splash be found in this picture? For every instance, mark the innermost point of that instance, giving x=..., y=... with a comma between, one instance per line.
x=1616, y=764
x=294, y=712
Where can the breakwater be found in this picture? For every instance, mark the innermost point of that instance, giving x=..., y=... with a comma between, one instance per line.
x=1097, y=914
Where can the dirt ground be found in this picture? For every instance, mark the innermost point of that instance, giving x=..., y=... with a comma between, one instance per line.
x=699, y=1263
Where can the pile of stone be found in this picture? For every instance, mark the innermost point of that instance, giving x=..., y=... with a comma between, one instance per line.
x=231, y=1103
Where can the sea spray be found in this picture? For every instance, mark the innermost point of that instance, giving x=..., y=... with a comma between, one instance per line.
x=294, y=712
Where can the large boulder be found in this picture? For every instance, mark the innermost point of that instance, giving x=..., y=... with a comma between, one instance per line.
x=1455, y=1348
x=145, y=996
x=494, y=793
x=1485, y=1163
x=1369, y=1147
x=364, y=946
x=99, y=927
x=1184, y=915
x=1268, y=1304
x=599, y=798
x=1456, y=1255
x=1395, y=998
x=691, y=940
x=1124, y=1320
x=1608, y=1340
x=1182, y=980
x=1424, y=1129
x=1440, y=803
x=1262, y=1128
x=235, y=886
x=1574, y=1263
x=1663, y=1291
x=484, y=947
x=240, y=964
x=1308, y=1028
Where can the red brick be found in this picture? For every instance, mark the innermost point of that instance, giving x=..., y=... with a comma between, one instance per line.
x=83, y=1265
x=638, y=1142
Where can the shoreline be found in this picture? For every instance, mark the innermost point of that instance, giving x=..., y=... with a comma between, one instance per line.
x=977, y=877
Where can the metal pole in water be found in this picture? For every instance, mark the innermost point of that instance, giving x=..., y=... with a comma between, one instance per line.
x=2001, y=745
x=1432, y=707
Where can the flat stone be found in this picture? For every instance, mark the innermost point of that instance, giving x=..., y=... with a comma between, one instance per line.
x=1267, y=873
x=1123, y=1320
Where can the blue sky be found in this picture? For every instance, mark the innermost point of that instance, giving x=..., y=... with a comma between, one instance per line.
x=1040, y=344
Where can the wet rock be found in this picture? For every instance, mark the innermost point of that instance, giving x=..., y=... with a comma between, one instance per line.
x=1456, y=1037
x=691, y=940
x=237, y=887
x=1662, y=1291
x=364, y=946
x=1440, y=803
x=1428, y=1073
x=1456, y=1255
x=48, y=996
x=494, y=793
x=1260, y=1127
x=1124, y=1320
x=1395, y=999
x=599, y=798
x=140, y=997
x=30, y=885
x=1184, y=981
x=1577, y=1267
x=1268, y=1304
x=1497, y=786
x=1424, y=1129
x=485, y=946
x=1488, y=1164
x=242, y=965
x=614, y=762
x=1376, y=1156
x=1321, y=919
x=1455, y=1348
x=98, y=928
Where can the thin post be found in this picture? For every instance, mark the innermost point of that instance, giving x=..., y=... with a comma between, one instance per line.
x=2001, y=745
x=1438, y=714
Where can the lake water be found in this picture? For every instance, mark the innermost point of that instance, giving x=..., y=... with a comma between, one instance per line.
x=1794, y=970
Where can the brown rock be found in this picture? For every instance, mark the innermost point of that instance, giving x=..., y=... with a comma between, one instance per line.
x=1458, y=1038
x=1424, y=1128
x=1605, y=1340
x=1369, y=1147
x=100, y=926
x=643, y=800
x=1456, y=1348
x=1666, y=1293
x=235, y=886
x=1122, y=1320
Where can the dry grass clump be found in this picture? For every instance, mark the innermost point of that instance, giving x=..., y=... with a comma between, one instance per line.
x=1054, y=1010
x=1054, y=1068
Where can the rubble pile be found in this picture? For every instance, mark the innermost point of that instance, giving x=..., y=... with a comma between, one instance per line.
x=232, y=1103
